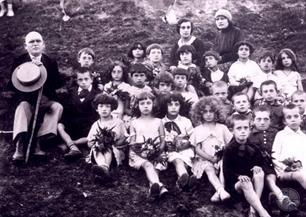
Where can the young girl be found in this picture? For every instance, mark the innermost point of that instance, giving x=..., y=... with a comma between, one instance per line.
x=147, y=142
x=137, y=53
x=118, y=87
x=105, y=137
x=178, y=129
x=286, y=71
x=209, y=138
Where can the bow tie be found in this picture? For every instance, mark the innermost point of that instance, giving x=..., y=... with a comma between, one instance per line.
x=83, y=93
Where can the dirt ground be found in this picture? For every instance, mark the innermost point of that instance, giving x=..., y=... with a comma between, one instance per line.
x=56, y=188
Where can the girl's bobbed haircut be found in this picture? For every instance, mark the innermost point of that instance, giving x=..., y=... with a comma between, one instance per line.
x=142, y=96
x=125, y=70
x=184, y=20
x=105, y=99
x=134, y=46
x=246, y=43
x=139, y=68
x=186, y=49
x=197, y=110
x=279, y=64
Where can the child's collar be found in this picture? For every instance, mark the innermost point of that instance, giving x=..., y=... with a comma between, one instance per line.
x=189, y=42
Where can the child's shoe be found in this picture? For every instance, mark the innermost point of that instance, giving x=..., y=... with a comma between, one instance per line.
x=163, y=191
x=18, y=155
x=10, y=12
x=288, y=205
x=182, y=181
x=74, y=153
x=155, y=190
x=2, y=12
x=215, y=198
x=192, y=181
x=101, y=171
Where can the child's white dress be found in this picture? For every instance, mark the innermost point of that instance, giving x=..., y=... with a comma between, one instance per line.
x=287, y=84
x=210, y=141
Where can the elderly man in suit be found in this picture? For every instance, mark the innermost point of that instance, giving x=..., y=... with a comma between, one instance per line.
x=50, y=111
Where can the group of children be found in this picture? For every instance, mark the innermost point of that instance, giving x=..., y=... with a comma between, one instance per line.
x=240, y=128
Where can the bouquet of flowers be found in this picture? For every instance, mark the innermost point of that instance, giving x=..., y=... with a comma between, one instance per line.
x=104, y=139
x=292, y=165
x=148, y=149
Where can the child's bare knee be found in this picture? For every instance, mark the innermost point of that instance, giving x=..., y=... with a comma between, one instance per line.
x=259, y=175
x=246, y=186
x=147, y=166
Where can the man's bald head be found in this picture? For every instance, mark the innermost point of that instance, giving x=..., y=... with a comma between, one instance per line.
x=34, y=43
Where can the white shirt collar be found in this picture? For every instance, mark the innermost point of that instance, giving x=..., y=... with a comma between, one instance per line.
x=290, y=131
x=80, y=89
x=36, y=57
x=189, y=42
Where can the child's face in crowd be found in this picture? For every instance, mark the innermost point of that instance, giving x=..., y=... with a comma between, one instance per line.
x=85, y=60
x=104, y=110
x=292, y=118
x=299, y=100
x=117, y=73
x=84, y=80
x=185, y=29
x=241, y=103
x=286, y=60
x=262, y=120
x=180, y=81
x=221, y=22
x=174, y=108
x=241, y=130
x=145, y=106
x=186, y=58
x=266, y=64
x=208, y=114
x=138, y=52
x=269, y=92
x=155, y=55
x=210, y=61
x=139, y=79
x=164, y=87
x=243, y=51
x=220, y=92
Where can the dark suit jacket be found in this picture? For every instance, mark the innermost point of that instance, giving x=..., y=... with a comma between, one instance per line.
x=79, y=116
x=53, y=81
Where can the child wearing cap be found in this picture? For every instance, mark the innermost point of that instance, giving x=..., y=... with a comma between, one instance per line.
x=244, y=74
x=181, y=78
x=211, y=71
x=9, y=11
x=137, y=53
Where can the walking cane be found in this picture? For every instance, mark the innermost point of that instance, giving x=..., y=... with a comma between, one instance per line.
x=34, y=124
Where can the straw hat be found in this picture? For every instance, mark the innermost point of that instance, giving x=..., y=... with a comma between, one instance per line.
x=29, y=77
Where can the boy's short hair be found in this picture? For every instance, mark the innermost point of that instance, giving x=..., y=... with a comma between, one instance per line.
x=134, y=46
x=105, y=99
x=246, y=43
x=299, y=93
x=238, y=117
x=181, y=71
x=173, y=97
x=88, y=51
x=212, y=53
x=265, y=55
x=268, y=82
x=183, y=20
x=291, y=106
x=154, y=46
x=165, y=77
x=219, y=84
x=261, y=108
x=239, y=94
x=139, y=68
x=186, y=49
x=82, y=70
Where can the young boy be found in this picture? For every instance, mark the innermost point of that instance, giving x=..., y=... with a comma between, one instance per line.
x=164, y=82
x=181, y=77
x=263, y=136
x=241, y=105
x=289, y=148
x=269, y=93
x=86, y=58
x=105, y=137
x=220, y=90
x=299, y=99
x=185, y=56
x=78, y=113
x=266, y=62
x=211, y=71
x=242, y=166
x=177, y=131
x=154, y=62
x=244, y=74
